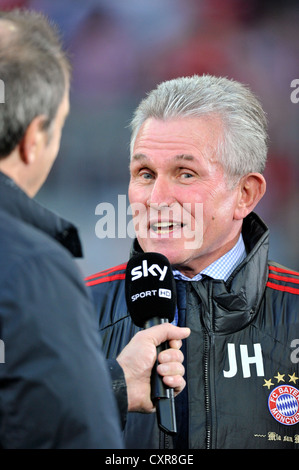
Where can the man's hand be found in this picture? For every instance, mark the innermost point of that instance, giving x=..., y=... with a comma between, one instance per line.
x=137, y=360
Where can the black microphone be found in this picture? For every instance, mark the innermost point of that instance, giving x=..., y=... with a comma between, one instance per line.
x=151, y=300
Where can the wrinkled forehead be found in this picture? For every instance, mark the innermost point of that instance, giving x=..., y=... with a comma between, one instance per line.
x=181, y=137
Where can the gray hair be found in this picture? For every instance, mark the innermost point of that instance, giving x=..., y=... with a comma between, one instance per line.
x=242, y=147
x=35, y=72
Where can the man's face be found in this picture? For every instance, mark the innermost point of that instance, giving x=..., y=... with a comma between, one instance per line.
x=186, y=209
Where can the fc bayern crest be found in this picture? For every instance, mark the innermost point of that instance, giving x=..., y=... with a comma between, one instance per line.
x=283, y=404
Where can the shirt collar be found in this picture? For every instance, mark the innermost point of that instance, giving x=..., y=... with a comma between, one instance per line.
x=222, y=267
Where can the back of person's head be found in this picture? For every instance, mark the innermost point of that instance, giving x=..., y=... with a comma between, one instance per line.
x=242, y=147
x=35, y=72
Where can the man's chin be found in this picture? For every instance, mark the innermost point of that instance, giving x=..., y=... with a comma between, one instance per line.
x=174, y=254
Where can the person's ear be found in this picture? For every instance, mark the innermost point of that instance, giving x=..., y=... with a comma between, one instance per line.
x=33, y=141
x=252, y=188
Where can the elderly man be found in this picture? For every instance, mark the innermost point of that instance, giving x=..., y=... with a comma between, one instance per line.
x=54, y=382
x=198, y=152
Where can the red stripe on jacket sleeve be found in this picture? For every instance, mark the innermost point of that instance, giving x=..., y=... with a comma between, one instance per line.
x=284, y=278
x=291, y=290
x=282, y=270
x=106, y=279
x=120, y=267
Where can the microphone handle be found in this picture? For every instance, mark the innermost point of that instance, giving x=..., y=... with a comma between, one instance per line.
x=161, y=395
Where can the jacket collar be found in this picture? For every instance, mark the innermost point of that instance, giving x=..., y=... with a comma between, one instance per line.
x=235, y=303
x=16, y=203
x=231, y=305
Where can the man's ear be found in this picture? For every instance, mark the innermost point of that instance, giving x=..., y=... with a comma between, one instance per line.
x=33, y=141
x=252, y=188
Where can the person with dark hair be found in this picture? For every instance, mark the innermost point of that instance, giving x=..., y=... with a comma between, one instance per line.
x=56, y=388
x=198, y=153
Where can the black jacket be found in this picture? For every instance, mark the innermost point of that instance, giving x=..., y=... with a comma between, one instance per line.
x=241, y=357
x=54, y=383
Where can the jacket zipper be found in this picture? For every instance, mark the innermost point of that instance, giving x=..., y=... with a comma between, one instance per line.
x=164, y=440
x=206, y=389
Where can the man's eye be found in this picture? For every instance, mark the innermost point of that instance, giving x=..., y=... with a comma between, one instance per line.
x=186, y=175
x=146, y=175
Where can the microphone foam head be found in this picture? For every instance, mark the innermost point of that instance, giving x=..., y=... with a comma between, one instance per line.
x=150, y=288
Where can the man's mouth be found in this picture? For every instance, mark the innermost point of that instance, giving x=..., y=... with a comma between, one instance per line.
x=163, y=228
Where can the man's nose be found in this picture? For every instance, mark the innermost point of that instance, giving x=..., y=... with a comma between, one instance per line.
x=162, y=193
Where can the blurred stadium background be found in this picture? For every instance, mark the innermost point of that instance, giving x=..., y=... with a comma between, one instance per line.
x=120, y=50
